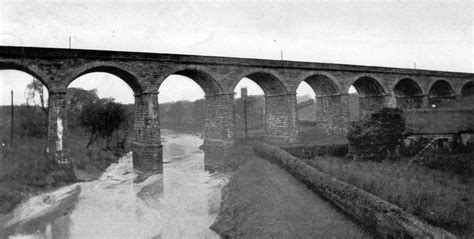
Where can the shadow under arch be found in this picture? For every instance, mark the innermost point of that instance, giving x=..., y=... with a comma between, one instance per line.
x=468, y=89
x=441, y=94
x=126, y=76
x=441, y=88
x=269, y=83
x=322, y=84
x=408, y=93
x=369, y=98
x=368, y=86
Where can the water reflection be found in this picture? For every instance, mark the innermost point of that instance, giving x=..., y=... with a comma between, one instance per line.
x=182, y=202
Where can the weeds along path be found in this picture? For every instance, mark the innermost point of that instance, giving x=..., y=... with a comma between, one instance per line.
x=264, y=201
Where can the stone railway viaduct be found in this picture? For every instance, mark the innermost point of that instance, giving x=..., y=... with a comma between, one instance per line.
x=217, y=76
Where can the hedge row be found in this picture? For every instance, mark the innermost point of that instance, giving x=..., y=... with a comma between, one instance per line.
x=310, y=151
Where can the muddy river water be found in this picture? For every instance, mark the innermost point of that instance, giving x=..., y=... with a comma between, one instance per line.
x=180, y=203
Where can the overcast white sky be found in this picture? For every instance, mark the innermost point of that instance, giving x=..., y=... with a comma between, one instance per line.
x=437, y=35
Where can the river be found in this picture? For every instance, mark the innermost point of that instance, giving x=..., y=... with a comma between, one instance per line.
x=181, y=203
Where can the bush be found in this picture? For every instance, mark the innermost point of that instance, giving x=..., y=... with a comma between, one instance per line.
x=378, y=136
x=309, y=151
x=415, y=147
x=461, y=164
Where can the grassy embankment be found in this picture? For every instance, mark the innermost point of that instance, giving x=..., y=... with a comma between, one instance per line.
x=442, y=198
x=25, y=168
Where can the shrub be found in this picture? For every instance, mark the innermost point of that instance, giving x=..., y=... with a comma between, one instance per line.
x=461, y=164
x=415, y=147
x=309, y=151
x=377, y=136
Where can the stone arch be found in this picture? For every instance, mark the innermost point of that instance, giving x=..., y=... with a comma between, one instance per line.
x=207, y=83
x=441, y=94
x=368, y=86
x=126, y=76
x=25, y=69
x=407, y=87
x=268, y=81
x=468, y=89
x=408, y=93
x=321, y=83
x=441, y=88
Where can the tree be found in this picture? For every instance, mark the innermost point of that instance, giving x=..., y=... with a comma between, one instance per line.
x=101, y=119
x=76, y=100
x=198, y=110
x=177, y=112
x=33, y=89
x=377, y=136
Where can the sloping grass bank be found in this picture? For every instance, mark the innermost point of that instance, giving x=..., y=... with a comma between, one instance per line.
x=25, y=170
x=385, y=218
x=440, y=198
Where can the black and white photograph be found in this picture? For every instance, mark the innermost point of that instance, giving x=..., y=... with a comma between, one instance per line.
x=236, y=119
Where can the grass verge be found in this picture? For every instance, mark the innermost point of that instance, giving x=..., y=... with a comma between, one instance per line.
x=443, y=199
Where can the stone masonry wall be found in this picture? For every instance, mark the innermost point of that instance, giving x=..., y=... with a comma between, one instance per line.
x=220, y=119
x=332, y=114
x=281, y=123
x=369, y=104
x=147, y=148
x=439, y=120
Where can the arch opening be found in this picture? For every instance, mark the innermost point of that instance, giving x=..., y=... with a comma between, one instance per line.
x=468, y=89
x=123, y=75
x=249, y=105
x=23, y=126
x=441, y=88
x=181, y=102
x=99, y=114
x=322, y=85
x=441, y=94
x=208, y=84
x=368, y=86
x=365, y=95
x=408, y=94
x=268, y=83
x=5, y=66
x=27, y=89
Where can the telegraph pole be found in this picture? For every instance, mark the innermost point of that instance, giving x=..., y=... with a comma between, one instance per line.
x=11, y=130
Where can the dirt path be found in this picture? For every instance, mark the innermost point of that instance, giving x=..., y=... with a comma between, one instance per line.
x=264, y=201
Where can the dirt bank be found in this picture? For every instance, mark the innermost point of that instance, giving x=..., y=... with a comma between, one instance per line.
x=263, y=201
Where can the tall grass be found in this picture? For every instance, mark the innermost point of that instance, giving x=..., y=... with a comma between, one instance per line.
x=26, y=162
x=438, y=197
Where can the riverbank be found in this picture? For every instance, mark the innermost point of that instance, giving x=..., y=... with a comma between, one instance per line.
x=88, y=164
x=262, y=200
